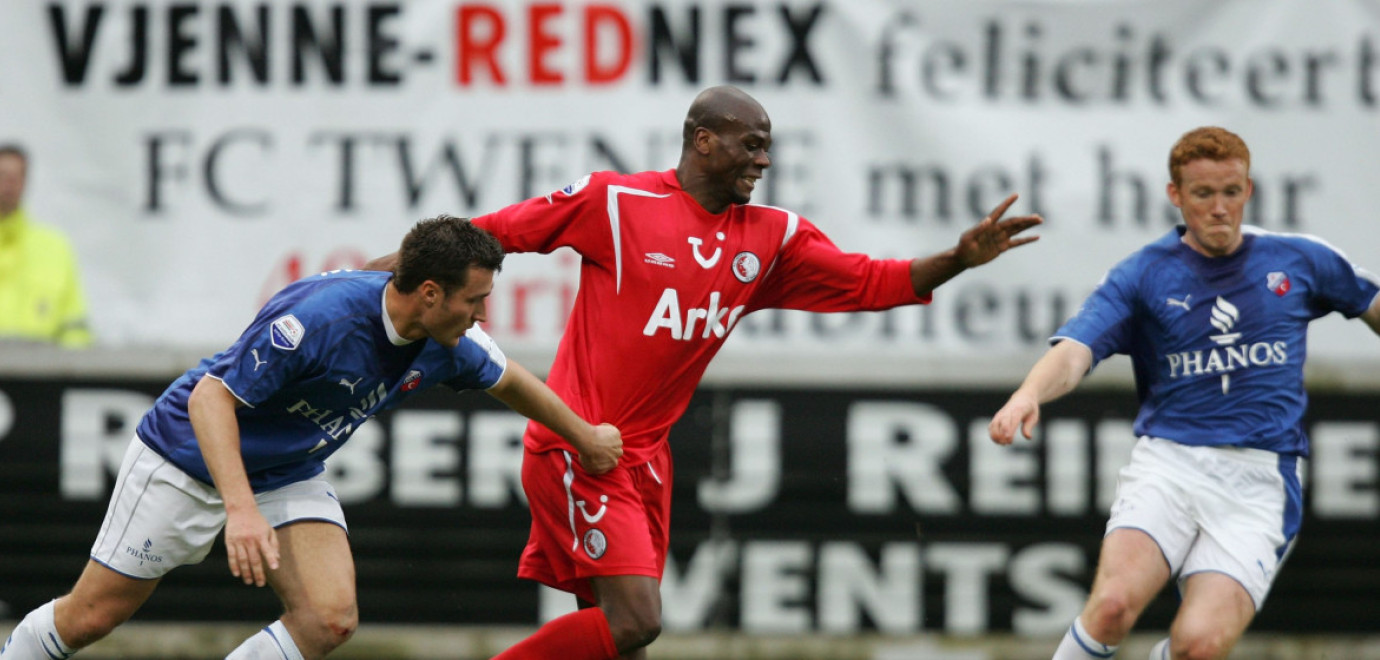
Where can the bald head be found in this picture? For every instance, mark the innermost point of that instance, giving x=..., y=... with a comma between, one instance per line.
x=718, y=108
x=725, y=147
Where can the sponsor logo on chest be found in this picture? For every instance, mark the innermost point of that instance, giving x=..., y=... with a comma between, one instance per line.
x=712, y=320
x=340, y=425
x=1231, y=354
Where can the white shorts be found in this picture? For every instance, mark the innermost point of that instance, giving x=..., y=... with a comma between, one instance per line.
x=161, y=517
x=1228, y=510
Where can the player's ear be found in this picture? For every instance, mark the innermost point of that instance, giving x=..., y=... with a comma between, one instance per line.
x=432, y=292
x=704, y=140
x=1173, y=192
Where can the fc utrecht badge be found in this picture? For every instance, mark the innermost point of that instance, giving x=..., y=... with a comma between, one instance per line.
x=1277, y=282
x=287, y=332
x=411, y=381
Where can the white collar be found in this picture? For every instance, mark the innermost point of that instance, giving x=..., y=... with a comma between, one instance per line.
x=393, y=336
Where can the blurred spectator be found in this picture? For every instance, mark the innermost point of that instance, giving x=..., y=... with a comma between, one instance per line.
x=41, y=297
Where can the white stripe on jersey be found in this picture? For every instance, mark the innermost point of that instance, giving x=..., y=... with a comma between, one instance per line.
x=477, y=335
x=614, y=192
x=1360, y=272
x=570, y=500
x=792, y=225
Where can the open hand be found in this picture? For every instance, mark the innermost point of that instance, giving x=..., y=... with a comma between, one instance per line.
x=992, y=236
x=251, y=546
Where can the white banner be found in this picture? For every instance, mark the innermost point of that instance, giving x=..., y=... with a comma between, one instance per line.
x=203, y=154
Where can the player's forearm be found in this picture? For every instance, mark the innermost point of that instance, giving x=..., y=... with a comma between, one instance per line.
x=211, y=409
x=927, y=273
x=1057, y=372
x=385, y=263
x=1372, y=316
x=528, y=395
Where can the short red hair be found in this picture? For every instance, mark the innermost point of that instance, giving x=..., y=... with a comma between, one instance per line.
x=1211, y=142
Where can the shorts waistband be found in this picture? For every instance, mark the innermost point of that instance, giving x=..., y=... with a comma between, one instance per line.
x=1249, y=454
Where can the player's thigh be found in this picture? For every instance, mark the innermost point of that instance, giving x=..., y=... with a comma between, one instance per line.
x=1214, y=606
x=1131, y=569
x=159, y=517
x=315, y=568
x=102, y=597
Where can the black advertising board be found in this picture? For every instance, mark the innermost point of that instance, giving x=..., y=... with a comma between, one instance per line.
x=796, y=510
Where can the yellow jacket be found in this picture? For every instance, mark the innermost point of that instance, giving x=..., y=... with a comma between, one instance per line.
x=41, y=295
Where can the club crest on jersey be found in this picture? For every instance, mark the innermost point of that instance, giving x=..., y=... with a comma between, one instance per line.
x=1278, y=282
x=287, y=332
x=411, y=381
x=746, y=266
x=596, y=544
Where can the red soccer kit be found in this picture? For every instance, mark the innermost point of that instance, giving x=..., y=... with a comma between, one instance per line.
x=662, y=283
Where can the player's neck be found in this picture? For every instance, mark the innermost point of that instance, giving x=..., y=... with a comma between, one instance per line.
x=695, y=184
x=402, y=311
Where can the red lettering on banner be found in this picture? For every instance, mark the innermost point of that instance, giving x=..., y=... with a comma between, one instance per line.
x=607, y=51
x=540, y=43
x=605, y=15
x=472, y=46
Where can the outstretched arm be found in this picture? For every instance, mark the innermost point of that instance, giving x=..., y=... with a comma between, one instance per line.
x=1372, y=316
x=1056, y=373
x=599, y=446
x=384, y=263
x=982, y=243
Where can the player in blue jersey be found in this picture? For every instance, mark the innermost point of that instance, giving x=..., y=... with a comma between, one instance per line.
x=1215, y=320
x=239, y=442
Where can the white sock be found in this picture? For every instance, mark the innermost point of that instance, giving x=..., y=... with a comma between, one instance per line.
x=1079, y=645
x=1160, y=651
x=271, y=643
x=36, y=638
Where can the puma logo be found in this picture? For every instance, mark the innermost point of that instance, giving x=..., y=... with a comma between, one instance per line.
x=1179, y=303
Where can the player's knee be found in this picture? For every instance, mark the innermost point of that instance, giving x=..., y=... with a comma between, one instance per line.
x=85, y=626
x=1109, y=617
x=1200, y=642
x=634, y=629
x=332, y=626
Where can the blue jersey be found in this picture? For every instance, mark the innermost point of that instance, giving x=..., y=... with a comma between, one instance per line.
x=318, y=360
x=1218, y=344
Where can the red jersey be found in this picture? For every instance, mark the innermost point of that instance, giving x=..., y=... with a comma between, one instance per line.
x=663, y=282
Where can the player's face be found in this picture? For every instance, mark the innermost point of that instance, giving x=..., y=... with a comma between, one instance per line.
x=451, y=316
x=1212, y=197
x=741, y=154
x=11, y=183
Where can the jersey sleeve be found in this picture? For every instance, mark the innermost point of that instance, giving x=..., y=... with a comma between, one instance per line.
x=1105, y=321
x=274, y=351
x=479, y=362
x=811, y=273
x=575, y=216
x=1341, y=285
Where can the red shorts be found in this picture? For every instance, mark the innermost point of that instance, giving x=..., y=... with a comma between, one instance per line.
x=583, y=526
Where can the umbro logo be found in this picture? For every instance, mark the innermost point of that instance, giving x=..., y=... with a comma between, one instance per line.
x=659, y=259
